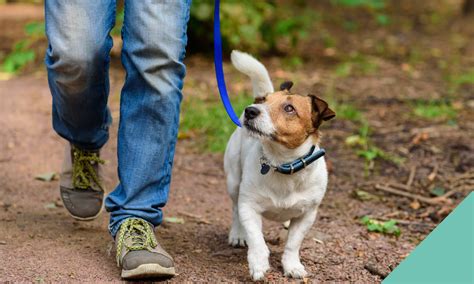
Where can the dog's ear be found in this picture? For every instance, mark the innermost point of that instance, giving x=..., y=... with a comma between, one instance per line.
x=321, y=111
x=286, y=86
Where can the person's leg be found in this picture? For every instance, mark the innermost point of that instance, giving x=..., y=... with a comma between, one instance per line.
x=77, y=61
x=154, y=41
x=154, y=36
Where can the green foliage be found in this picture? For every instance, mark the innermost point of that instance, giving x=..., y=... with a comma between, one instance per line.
x=434, y=110
x=356, y=64
x=18, y=58
x=372, y=4
x=343, y=69
x=382, y=19
x=23, y=53
x=293, y=62
x=438, y=191
x=329, y=41
x=35, y=29
x=350, y=25
x=460, y=79
x=251, y=25
x=464, y=78
x=347, y=111
x=209, y=123
x=367, y=150
x=389, y=227
x=373, y=152
x=365, y=196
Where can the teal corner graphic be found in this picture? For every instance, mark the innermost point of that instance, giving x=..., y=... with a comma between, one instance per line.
x=444, y=256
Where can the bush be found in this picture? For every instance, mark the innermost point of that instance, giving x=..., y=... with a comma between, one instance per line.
x=254, y=26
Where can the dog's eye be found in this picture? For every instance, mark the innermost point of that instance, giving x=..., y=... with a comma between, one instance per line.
x=289, y=108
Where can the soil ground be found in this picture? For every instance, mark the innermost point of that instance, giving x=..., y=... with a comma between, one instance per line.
x=40, y=242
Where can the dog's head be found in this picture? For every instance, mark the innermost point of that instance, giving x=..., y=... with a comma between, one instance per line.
x=286, y=118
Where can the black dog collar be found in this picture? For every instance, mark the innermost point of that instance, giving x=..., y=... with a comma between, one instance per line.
x=293, y=167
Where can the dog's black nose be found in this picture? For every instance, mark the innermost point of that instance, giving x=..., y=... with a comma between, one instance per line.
x=251, y=112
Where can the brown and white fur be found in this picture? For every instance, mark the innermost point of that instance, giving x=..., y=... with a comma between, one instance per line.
x=281, y=126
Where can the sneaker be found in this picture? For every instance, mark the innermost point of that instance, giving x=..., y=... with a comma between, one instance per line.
x=81, y=186
x=138, y=252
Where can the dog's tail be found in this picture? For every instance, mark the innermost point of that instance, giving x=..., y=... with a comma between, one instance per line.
x=251, y=67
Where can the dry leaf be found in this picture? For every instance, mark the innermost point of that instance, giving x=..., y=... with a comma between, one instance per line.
x=46, y=176
x=175, y=220
x=415, y=205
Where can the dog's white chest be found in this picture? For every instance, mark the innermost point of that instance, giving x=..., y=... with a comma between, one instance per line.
x=280, y=206
x=282, y=215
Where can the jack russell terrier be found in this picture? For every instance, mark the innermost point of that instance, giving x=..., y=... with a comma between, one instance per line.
x=274, y=167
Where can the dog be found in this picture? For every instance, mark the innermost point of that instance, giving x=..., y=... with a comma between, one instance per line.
x=267, y=169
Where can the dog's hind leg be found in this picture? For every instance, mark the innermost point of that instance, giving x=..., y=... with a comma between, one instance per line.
x=232, y=167
x=237, y=233
x=299, y=227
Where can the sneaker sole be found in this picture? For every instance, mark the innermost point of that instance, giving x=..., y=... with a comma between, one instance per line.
x=147, y=271
x=84, y=218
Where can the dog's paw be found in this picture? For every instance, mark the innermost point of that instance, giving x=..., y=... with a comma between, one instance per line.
x=294, y=270
x=258, y=263
x=237, y=238
x=257, y=272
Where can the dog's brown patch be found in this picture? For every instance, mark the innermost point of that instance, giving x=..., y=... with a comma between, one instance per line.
x=296, y=117
x=259, y=100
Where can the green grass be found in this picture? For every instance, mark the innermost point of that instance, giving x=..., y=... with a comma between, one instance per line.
x=347, y=111
x=366, y=149
x=22, y=52
x=20, y=56
x=356, y=64
x=460, y=79
x=209, y=123
x=434, y=110
x=389, y=227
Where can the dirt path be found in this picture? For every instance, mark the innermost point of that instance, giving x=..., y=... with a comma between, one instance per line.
x=39, y=243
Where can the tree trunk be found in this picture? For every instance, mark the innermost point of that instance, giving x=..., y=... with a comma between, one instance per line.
x=468, y=7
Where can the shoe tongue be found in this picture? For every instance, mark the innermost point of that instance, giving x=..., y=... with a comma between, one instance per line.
x=137, y=230
x=76, y=153
x=136, y=235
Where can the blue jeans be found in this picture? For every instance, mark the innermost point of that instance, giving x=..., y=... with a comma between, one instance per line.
x=77, y=60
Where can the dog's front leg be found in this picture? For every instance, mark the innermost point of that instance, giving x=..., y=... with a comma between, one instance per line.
x=291, y=256
x=258, y=252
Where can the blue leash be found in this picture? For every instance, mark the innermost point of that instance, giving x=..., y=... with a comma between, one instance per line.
x=218, y=66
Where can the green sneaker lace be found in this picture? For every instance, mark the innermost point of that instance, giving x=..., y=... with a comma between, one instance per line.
x=83, y=172
x=140, y=234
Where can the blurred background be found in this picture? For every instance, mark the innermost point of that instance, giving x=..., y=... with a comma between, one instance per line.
x=399, y=74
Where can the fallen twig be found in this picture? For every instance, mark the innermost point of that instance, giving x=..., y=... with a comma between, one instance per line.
x=402, y=222
x=435, y=131
x=444, y=197
x=399, y=186
x=196, y=217
x=431, y=201
x=434, y=173
x=375, y=271
x=411, y=177
x=460, y=182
